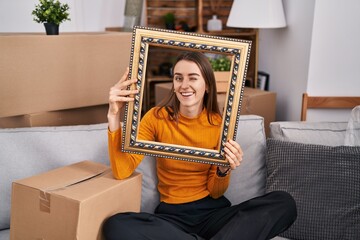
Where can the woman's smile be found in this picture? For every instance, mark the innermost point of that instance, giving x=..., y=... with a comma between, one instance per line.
x=187, y=94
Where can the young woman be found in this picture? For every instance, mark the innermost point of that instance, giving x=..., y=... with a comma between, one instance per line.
x=192, y=205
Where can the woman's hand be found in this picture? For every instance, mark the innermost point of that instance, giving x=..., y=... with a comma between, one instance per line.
x=118, y=96
x=233, y=154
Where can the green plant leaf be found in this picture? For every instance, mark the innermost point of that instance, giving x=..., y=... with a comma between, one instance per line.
x=51, y=11
x=220, y=63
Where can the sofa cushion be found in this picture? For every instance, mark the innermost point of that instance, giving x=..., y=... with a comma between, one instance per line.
x=28, y=151
x=325, y=183
x=324, y=133
x=249, y=179
x=150, y=196
x=5, y=234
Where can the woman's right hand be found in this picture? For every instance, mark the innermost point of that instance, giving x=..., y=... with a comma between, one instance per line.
x=118, y=96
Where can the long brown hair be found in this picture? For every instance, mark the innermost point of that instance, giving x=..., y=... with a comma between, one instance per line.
x=172, y=104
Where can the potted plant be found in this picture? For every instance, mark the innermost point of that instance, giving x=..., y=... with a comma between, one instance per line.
x=222, y=63
x=221, y=67
x=169, y=19
x=51, y=13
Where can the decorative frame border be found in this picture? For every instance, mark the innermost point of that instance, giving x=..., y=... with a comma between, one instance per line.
x=144, y=37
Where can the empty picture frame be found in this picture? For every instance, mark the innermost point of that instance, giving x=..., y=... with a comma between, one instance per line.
x=145, y=38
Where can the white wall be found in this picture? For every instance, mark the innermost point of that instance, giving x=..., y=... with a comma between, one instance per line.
x=284, y=53
x=334, y=63
x=317, y=53
x=86, y=15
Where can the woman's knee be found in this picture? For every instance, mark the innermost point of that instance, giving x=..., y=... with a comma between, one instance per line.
x=283, y=198
x=117, y=227
x=284, y=202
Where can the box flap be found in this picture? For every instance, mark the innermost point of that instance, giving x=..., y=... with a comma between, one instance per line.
x=251, y=92
x=64, y=176
x=93, y=187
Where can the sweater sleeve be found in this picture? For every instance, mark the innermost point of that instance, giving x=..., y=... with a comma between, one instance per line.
x=122, y=164
x=217, y=185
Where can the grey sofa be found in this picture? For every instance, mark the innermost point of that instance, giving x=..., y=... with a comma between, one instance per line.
x=28, y=151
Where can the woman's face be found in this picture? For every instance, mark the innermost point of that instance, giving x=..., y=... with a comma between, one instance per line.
x=190, y=87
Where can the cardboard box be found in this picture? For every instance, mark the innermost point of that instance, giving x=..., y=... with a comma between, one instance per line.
x=255, y=101
x=41, y=73
x=71, y=202
x=76, y=116
x=262, y=103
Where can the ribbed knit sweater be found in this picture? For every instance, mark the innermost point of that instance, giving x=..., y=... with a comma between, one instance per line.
x=179, y=181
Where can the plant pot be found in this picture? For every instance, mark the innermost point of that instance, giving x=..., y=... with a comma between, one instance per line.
x=222, y=76
x=170, y=25
x=51, y=28
x=222, y=79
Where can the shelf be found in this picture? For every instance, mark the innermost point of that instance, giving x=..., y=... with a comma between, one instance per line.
x=196, y=13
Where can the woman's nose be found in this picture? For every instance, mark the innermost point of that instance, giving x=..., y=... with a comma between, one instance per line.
x=185, y=83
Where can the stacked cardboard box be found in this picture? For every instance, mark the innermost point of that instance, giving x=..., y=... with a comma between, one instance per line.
x=40, y=74
x=74, y=116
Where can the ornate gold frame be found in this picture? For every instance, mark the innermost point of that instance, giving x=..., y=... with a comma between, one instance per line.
x=238, y=50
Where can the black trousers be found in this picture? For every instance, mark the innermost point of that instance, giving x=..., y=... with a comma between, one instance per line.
x=259, y=218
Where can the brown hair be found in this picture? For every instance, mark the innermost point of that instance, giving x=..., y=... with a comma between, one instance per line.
x=172, y=104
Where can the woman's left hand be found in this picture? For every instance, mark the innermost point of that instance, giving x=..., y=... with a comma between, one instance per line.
x=233, y=154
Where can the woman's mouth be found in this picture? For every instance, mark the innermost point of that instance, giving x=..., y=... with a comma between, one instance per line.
x=187, y=94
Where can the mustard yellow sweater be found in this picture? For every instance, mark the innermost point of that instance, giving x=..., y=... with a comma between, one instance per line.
x=179, y=181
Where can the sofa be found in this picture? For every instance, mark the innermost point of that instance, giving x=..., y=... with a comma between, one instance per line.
x=28, y=151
